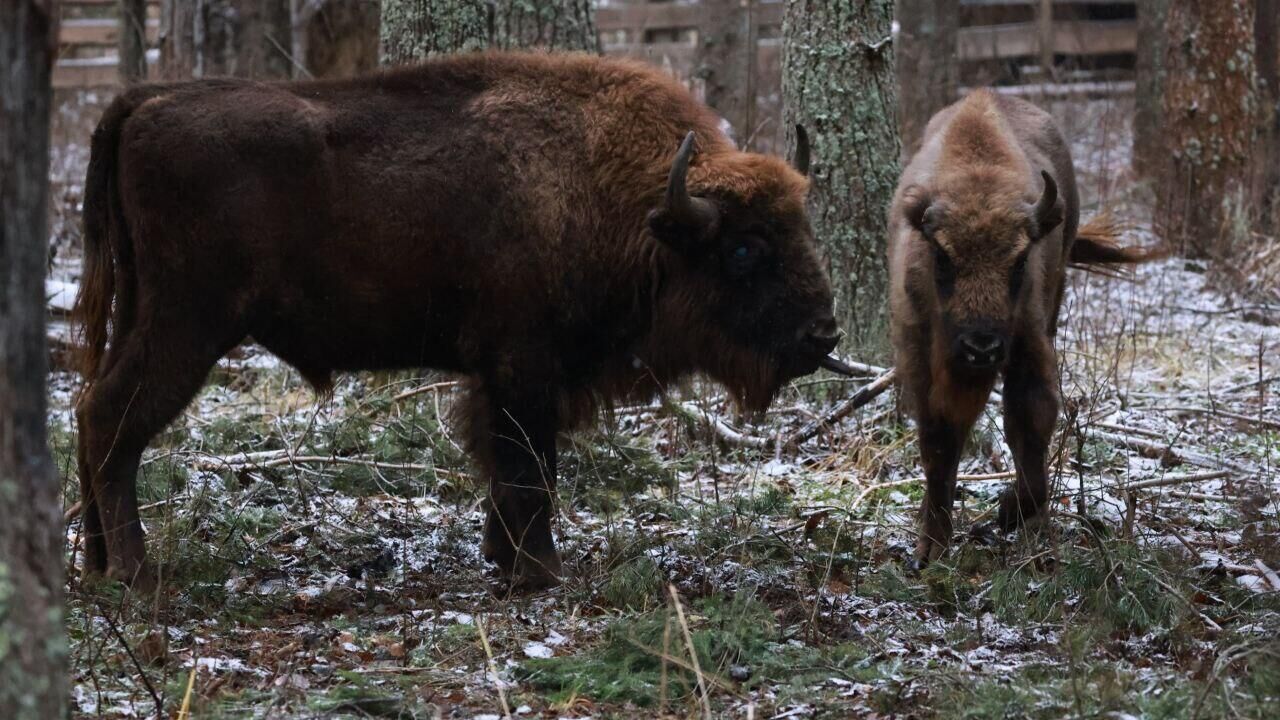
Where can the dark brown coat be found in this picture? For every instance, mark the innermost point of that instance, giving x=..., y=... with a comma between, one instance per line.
x=983, y=225
x=521, y=219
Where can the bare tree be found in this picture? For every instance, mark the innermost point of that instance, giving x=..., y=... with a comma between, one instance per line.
x=1266, y=36
x=927, y=64
x=724, y=62
x=1148, y=144
x=241, y=38
x=838, y=82
x=33, y=683
x=1211, y=111
x=133, y=41
x=334, y=38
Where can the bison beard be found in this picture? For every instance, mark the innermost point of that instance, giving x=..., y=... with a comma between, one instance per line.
x=565, y=231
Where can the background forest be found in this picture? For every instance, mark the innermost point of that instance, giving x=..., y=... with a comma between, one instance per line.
x=321, y=553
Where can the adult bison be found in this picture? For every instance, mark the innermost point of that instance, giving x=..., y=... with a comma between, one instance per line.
x=566, y=231
x=982, y=227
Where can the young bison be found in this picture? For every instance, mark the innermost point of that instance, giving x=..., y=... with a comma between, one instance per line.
x=565, y=231
x=982, y=226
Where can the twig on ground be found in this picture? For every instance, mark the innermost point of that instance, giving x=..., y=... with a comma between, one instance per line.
x=693, y=652
x=493, y=670
x=433, y=387
x=184, y=713
x=864, y=395
x=723, y=431
x=1221, y=413
x=115, y=630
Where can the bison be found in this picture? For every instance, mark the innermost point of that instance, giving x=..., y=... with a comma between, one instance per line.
x=564, y=231
x=982, y=226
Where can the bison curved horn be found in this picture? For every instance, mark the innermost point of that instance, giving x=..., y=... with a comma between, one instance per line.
x=1047, y=212
x=802, y=150
x=681, y=208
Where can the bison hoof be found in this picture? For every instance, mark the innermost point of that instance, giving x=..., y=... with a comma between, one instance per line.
x=537, y=573
x=985, y=534
x=915, y=566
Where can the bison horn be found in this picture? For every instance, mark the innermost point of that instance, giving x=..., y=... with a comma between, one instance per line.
x=1047, y=213
x=683, y=209
x=802, y=150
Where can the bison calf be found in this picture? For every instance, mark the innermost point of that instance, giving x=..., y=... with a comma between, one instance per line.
x=566, y=231
x=983, y=223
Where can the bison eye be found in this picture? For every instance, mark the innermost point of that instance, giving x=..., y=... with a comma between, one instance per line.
x=742, y=257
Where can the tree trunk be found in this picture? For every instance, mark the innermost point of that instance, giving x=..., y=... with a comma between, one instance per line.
x=547, y=24
x=334, y=38
x=1149, y=73
x=724, y=62
x=1266, y=37
x=33, y=681
x=133, y=41
x=838, y=82
x=927, y=64
x=417, y=29
x=211, y=38
x=1212, y=111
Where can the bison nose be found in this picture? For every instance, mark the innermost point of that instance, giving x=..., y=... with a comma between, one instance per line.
x=822, y=335
x=981, y=349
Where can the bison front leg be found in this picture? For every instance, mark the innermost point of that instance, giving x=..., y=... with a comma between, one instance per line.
x=1030, y=412
x=518, y=446
x=940, y=444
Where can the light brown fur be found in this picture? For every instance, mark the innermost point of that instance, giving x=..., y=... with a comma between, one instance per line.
x=967, y=211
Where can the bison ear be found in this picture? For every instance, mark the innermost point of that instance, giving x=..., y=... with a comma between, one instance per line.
x=683, y=220
x=921, y=211
x=1048, y=212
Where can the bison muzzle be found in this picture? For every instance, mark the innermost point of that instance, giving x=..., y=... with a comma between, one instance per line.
x=565, y=231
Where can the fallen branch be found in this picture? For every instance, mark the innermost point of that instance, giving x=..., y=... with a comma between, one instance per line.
x=424, y=389
x=1223, y=413
x=1165, y=453
x=1268, y=573
x=724, y=431
x=864, y=395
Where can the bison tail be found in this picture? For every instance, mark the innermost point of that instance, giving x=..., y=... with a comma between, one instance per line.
x=1099, y=247
x=106, y=282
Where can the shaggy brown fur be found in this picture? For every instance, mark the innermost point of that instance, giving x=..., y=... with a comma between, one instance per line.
x=511, y=217
x=982, y=227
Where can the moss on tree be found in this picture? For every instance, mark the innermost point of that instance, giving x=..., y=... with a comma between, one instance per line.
x=838, y=82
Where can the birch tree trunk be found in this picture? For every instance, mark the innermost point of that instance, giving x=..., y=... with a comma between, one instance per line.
x=33, y=683
x=838, y=82
x=1212, y=113
x=132, y=46
x=927, y=64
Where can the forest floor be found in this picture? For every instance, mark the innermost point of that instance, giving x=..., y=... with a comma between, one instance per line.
x=321, y=555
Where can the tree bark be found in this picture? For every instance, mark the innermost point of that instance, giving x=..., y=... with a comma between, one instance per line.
x=724, y=62
x=1149, y=73
x=33, y=655
x=559, y=25
x=212, y=38
x=133, y=41
x=417, y=29
x=838, y=82
x=1212, y=113
x=927, y=64
x=1266, y=36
